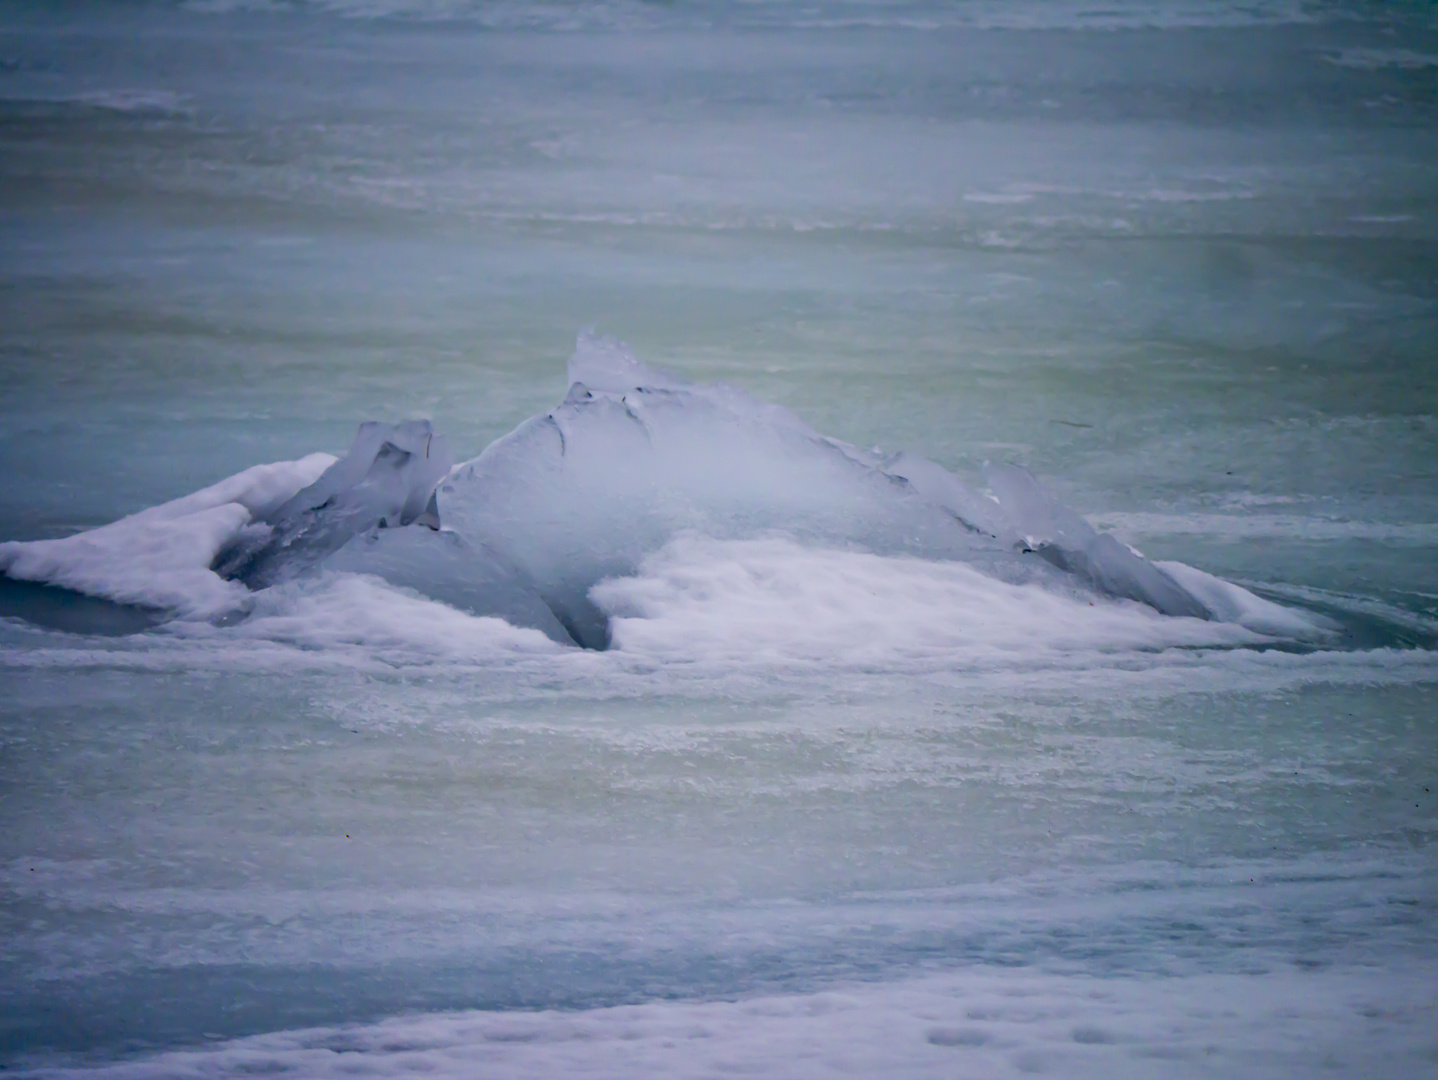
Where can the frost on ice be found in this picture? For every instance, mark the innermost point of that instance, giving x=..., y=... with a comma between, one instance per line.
x=629, y=460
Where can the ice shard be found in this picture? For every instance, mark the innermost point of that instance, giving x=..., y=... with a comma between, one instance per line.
x=387, y=480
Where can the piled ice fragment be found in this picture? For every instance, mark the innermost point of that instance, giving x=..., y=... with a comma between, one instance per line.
x=629, y=459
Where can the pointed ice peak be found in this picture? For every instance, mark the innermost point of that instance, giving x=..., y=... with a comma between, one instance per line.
x=387, y=480
x=392, y=469
x=605, y=365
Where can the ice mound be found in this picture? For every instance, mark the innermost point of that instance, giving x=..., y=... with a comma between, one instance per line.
x=633, y=457
x=630, y=460
x=387, y=480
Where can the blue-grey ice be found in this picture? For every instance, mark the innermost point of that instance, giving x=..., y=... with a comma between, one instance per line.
x=387, y=480
x=631, y=458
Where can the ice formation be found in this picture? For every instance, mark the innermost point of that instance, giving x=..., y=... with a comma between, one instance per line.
x=387, y=480
x=631, y=459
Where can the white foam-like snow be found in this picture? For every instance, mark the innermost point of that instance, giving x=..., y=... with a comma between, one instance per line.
x=134, y=101
x=161, y=556
x=342, y=612
x=981, y=1023
x=359, y=624
x=776, y=601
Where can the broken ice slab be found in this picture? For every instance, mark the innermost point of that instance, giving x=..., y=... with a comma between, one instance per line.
x=387, y=480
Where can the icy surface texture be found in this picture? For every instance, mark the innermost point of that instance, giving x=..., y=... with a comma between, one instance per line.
x=161, y=557
x=386, y=480
x=988, y=1022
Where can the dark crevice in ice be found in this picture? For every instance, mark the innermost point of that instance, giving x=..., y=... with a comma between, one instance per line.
x=589, y=629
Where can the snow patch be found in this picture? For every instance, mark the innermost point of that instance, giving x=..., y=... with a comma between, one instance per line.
x=161, y=556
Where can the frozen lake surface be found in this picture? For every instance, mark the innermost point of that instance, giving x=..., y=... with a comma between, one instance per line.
x=847, y=794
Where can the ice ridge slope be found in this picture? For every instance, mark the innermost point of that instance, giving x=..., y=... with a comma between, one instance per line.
x=387, y=480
